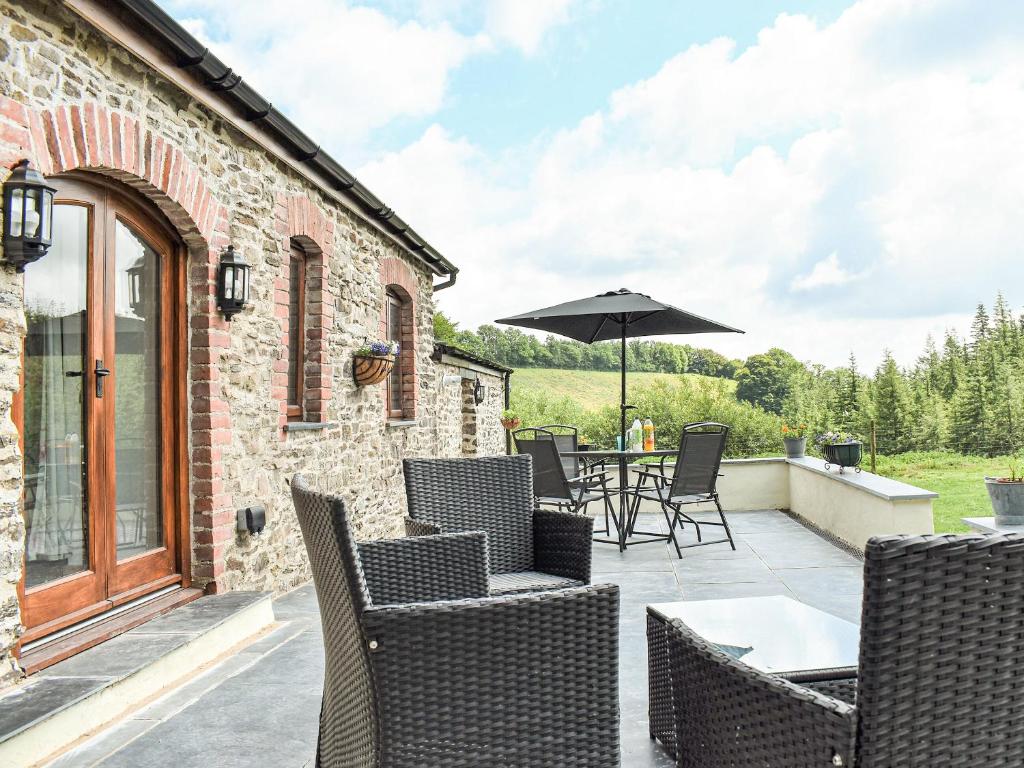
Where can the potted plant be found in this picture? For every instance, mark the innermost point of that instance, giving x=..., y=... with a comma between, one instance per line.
x=795, y=439
x=372, y=362
x=1007, y=494
x=840, y=449
x=510, y=420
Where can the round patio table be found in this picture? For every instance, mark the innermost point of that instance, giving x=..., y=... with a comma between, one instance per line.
x=623, y=459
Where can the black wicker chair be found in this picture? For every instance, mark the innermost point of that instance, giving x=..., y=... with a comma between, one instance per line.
x=694, y=481
x=424, y=670
x=938, y=683
x=529, y=549
x=552, y=485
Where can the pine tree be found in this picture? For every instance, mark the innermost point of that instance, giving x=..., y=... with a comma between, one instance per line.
x=891, y=407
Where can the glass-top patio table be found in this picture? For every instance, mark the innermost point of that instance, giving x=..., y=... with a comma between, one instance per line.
x=623, y=459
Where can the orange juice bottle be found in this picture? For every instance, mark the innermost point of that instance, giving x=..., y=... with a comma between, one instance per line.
x=648, y=435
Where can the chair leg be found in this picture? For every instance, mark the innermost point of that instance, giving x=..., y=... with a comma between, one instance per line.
x=725, y=523
x=671, y=530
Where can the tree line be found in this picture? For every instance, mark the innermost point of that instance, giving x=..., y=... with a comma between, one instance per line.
x=964, y=395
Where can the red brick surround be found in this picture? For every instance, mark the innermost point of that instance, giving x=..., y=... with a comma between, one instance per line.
x=396, y=274
x=88, y=136
x=299, y=220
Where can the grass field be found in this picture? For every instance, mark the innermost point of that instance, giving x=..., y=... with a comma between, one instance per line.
x=591, y=389
x=959, y=481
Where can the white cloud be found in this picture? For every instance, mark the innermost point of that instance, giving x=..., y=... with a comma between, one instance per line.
x=826, y=272
x=339, y=71
x=891, y=136
x=524, y=23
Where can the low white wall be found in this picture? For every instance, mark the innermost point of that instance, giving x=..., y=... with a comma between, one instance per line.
x=853, y=506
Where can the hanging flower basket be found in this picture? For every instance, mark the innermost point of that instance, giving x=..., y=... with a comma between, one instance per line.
x=373, y=363
x=371, y=369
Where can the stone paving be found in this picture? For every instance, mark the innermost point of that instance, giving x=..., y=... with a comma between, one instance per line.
x=259, y=708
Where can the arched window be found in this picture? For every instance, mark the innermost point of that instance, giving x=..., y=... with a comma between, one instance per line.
x=296, y=332
x=400, y=396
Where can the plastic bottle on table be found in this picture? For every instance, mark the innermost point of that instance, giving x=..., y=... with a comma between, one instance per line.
x=636, y=436
x=648, y=435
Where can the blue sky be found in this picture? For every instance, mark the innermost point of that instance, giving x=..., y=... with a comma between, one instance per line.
x=831, y=176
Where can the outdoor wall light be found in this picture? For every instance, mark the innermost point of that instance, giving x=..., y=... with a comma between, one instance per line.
x=28, y=216
x=479, y=392
x=135, y=298
x=232, y=283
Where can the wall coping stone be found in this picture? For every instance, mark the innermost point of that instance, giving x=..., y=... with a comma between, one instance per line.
x=883, y=487
x=400, y=423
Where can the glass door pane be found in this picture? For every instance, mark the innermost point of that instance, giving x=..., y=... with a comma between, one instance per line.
x=54, y=417
x=136, y=394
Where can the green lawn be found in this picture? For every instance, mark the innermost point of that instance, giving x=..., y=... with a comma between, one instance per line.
x=591, y=389
x=959, y=481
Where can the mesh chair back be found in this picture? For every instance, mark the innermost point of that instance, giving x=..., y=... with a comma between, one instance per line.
x=942, y=635
x=549, y=479
x=493, y=494
x=700, y=457
x=566, y=439
x=349, y=732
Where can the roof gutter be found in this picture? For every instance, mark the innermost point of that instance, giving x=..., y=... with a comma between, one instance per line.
x=189, y=54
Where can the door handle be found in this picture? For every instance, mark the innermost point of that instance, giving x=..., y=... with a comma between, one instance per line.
x=101, y=373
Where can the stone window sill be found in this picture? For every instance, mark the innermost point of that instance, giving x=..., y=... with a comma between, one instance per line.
x=308, y=426
x=400, y=423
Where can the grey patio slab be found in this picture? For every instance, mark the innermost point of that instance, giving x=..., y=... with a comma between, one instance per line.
x=120, y=656
x=827, y=580
x=265, y=715
x=704, y=571
x=40, y=698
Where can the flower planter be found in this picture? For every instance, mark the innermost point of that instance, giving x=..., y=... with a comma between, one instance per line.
x=843, y=455
x=511, y=424
x=1007, y=500
x=371, y=369
x=796, y=447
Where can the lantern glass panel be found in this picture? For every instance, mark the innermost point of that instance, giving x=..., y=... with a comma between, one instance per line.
x=229, y=282
x=239, y=281
x=47, y=215
x=17, y=211
x=32, y=217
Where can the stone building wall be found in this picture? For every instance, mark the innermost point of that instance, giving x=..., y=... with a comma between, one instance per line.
x=72, y=99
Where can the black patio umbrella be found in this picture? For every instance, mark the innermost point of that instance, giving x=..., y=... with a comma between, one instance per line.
x=617, y=314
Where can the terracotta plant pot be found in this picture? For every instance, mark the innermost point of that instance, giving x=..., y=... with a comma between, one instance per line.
x=796, y=447
x=511, y=424
x=371, y=369
x=1007, y=500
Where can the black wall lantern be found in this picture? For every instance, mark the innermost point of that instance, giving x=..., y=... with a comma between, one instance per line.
x=28, y=216
x=135, y=297
x=478, y=392
x=232, y=283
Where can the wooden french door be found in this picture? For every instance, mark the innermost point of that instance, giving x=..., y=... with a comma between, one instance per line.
x=98, y=413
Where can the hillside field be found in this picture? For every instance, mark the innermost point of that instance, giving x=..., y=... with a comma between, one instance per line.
x=591, y=389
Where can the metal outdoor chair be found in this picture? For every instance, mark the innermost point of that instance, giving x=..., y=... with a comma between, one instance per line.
x=694, y=480
x=422, y=668
x=566, y=439
x=937, y=684
x=552, y=485
x=529, y=548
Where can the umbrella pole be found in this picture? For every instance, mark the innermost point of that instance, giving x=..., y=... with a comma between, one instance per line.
x=622, y=403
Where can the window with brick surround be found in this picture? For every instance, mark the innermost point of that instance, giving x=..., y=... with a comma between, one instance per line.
x=400, y=394
x=296, y=332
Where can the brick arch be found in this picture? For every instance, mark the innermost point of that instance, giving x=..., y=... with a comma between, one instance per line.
x=90, y=137
x=299, y=220
x=397, y=275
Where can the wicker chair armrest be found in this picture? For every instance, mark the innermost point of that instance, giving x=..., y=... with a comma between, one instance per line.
x=420, y=528
x=733, y=714
x=425, y=568
x=499, y=681
x=562, y=544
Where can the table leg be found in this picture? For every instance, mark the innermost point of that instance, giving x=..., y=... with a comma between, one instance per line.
x=623, y=504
